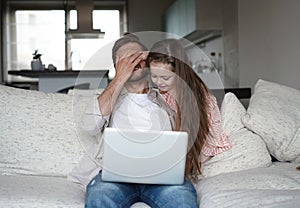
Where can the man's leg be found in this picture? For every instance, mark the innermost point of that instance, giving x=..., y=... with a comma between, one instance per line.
x=101, y=194
x=170, y=196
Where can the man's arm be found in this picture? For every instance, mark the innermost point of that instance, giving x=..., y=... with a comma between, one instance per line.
x=98, y=113
x=124, y=68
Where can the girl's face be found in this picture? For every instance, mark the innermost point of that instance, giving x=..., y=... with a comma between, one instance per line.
x=163, y=76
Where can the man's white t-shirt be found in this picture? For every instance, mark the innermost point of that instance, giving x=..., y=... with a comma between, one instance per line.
x=138, y=112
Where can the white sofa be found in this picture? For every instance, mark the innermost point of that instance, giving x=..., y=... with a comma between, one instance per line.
x=38, y=149
x=41, y=141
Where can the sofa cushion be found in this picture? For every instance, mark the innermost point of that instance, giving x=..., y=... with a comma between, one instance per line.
x=39, y=191
x=277, y=186
x=274, y=114
x=39, y=132
x=42, y=192
x=248, y=149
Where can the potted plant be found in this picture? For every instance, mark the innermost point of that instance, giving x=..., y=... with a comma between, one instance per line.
x=36, y=63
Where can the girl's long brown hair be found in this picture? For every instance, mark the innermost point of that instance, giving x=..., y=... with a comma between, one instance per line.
x=191, y=102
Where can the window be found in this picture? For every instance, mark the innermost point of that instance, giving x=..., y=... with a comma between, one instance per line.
x=43, y=28
x=83, y=49
x=39, y=30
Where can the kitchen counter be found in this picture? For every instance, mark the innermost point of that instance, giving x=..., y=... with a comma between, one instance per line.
x=58, y=81
x=46, y=73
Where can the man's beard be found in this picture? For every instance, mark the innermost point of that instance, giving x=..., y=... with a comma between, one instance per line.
x=134, y=78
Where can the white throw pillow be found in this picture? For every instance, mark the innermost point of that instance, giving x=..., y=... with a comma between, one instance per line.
x=248, y=149
x=39, y=132
x=274, y=114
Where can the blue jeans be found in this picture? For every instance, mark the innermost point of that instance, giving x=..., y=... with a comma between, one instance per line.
x=103, y=194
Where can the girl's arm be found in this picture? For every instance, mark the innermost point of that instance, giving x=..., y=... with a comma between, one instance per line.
x=216, y=141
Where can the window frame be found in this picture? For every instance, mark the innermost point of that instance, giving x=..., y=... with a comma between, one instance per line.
x=8, y=16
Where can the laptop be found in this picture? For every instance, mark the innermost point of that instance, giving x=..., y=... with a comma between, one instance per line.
x=143, y=156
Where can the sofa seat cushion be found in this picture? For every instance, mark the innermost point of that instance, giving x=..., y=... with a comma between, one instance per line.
x=39, y=192
x=42, y=192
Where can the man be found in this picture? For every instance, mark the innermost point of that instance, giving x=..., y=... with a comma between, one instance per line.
x=128, y=102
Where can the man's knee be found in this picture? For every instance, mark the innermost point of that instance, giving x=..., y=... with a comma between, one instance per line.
x=100, y=195
x=171, y=196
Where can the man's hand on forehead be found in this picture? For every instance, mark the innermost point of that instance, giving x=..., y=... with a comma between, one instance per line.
x=133, y=55
x=145, y=54
x=129, y=56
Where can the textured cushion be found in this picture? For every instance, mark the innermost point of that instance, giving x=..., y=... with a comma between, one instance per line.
x=274, y=114
x=277, y=186
x=42, y=192
x=248, y=149
x=39, y=134
x=39, y=192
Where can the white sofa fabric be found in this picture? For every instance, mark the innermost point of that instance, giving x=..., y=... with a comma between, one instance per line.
x=248, y=149
x=39, y=147
x=277, y=186
x=41, y=141
x=274, y=114
x=38, y=136
x=39, y=192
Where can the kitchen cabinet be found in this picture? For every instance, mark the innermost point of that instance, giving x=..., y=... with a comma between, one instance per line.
x=194, y=19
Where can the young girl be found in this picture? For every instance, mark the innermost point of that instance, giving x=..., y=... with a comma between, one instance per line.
x=196, y=108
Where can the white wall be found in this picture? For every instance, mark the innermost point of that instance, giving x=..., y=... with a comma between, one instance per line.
x=269, y=41
x=261, y=38
x=230, y=44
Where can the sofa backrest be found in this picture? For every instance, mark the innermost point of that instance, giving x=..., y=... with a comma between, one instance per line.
x=40, y=133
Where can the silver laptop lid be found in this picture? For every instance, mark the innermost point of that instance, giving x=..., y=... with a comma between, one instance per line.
x=138, y=156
